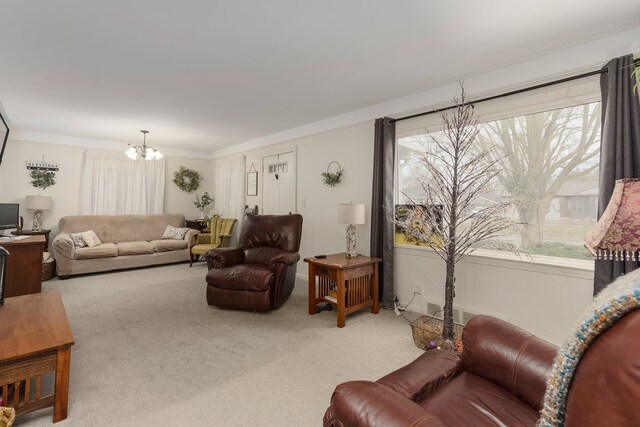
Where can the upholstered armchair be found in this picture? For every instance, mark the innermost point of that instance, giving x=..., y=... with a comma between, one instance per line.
x=260, y=273
x=216, y=235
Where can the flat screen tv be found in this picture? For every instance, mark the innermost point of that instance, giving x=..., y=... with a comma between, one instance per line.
x=9, y=215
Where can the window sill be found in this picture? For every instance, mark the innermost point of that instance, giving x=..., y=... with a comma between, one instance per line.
x=581, y=269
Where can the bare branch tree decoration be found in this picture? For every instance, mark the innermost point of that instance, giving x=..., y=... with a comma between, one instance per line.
x=459, y=172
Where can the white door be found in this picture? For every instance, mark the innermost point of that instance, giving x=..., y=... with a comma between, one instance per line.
x=279, y=184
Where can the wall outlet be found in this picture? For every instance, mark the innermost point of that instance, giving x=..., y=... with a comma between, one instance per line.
x=417, y=290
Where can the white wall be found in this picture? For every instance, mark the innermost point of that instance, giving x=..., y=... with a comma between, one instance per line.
x=15, y=181
x=543, y=299
x=178, y=201
x=352, y=148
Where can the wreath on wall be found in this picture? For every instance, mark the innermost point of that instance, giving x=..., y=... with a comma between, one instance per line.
x=187, y=179
x=332, y=178
x=42, y=179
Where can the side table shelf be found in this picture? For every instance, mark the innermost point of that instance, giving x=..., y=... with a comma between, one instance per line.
x=350, y=284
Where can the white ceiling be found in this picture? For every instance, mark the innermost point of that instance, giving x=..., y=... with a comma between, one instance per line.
x=202, y=75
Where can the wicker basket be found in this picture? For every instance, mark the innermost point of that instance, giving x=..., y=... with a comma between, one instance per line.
x=48, y=270
x=428, y=329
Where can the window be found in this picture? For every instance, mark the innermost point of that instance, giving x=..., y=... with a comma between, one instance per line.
x=548, y=162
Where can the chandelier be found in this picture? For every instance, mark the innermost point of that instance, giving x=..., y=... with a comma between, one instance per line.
x=145, y=151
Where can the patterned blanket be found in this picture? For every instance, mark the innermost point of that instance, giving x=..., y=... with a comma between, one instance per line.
x=618, y=299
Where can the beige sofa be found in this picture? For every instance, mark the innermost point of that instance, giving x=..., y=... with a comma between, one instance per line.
x=128, y=241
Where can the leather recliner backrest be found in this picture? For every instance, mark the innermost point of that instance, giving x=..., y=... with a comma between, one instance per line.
x=505, y=358
x=606, y=385
x=276, y=231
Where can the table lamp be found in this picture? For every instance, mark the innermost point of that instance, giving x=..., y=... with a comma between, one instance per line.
x=352, y=214
x=39, y=204
x=616, y=235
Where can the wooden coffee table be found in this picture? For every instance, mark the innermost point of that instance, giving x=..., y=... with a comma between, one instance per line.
x=35, y=338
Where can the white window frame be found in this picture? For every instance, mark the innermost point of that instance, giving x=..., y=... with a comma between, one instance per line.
x=578, y=92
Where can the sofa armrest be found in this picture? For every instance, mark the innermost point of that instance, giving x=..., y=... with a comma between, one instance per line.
x=63, y=246
x=286, y=258
x=203, y=239
x=225, y=240
x=365, y=403
x=509, y=356
x=192, y=237
x=423, y=376
x=224, y=257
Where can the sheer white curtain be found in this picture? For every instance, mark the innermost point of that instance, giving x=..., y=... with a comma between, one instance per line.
x=113, y=184
x=228, y=185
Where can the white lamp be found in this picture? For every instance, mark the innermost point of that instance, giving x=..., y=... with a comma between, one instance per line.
x=39, y=204
x=352, y=214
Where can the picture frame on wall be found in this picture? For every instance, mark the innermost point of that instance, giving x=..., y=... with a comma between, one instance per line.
x=252, y=183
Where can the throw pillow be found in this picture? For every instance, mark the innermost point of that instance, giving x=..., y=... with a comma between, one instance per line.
x=175, y=233
x=91, y=238
x=77, y=240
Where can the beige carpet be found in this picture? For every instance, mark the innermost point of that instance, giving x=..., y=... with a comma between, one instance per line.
x=149, y=351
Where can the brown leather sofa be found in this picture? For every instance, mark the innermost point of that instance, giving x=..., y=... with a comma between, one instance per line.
x=260, y=273
x=499, y=380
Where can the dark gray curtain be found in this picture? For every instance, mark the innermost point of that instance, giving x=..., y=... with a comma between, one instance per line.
x=382, y=204
x=620, y=148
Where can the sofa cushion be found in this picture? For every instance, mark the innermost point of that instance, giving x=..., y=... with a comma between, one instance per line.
x=166, y=245
x=176, y=233
x=121, y=228
x=242, y=277
x=135, y=248
x=105, y=250
x=470, y=400
x=77, y=240
x=91, y=238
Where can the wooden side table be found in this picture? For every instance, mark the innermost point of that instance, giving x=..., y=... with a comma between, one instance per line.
x=35, y=338
x=350, y=284
x=196, y=224
x=43, y=232
x=24, y=266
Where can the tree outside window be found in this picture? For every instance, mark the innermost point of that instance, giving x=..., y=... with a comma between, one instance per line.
x=549, y=165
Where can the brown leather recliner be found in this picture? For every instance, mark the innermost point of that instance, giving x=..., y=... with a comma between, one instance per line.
x=260, y=273
x=499, y=380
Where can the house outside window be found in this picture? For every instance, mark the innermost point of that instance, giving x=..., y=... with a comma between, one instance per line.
x=548, y=163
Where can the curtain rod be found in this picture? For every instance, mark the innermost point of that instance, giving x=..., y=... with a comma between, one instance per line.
x=514, y=92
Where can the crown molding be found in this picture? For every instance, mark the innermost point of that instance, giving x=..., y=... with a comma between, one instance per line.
x=75, y=141
x=519, y=72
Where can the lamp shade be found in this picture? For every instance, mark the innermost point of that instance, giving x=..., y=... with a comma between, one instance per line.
x=351, y=213
x=40, y=203
x=617, y=234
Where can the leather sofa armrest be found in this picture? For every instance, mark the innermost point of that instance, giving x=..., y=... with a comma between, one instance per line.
x=63, y=246
x=423, y=376
x=287, y=258
x=224, y=257
x=509, y=356
x=191, y=237
x=365, y=403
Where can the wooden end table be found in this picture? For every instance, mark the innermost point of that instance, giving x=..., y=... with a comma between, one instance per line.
x=35, y=338
x=350, y=284
x=42, y=232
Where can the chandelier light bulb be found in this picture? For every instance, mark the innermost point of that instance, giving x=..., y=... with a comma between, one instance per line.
x=145, y=151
